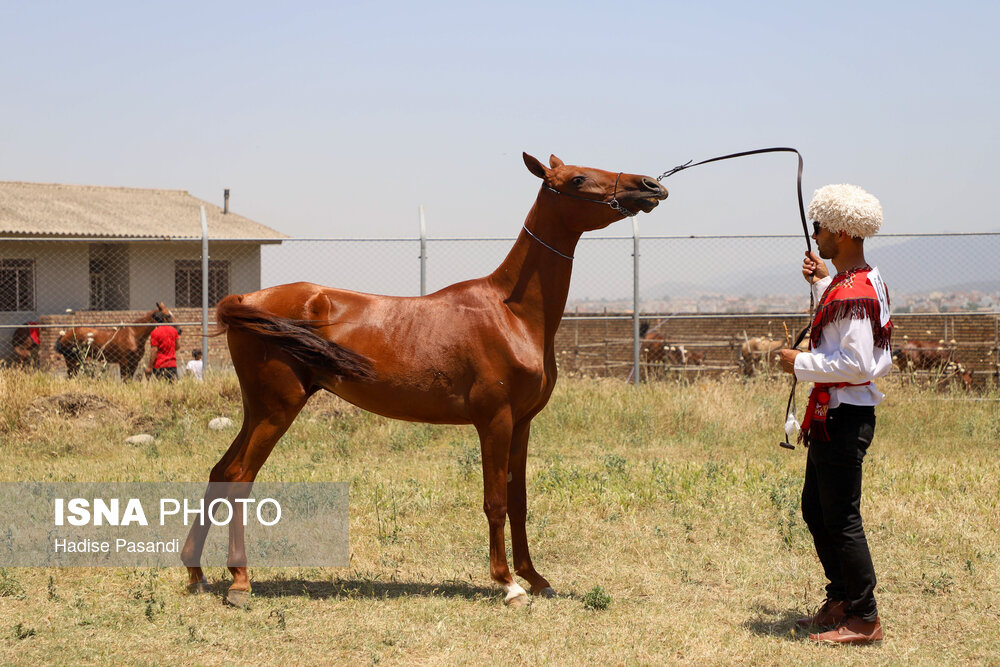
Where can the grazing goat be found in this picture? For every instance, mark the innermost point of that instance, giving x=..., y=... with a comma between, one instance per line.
x=656, y=350
x=759, y=351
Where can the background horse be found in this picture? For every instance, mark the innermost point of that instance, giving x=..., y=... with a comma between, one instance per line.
x=478, y=352
x=652, y=344
x=124, y=346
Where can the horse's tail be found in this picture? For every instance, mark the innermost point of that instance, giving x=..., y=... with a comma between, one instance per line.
x=296, y=337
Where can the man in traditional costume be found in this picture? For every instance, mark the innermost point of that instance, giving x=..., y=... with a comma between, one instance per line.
x=849, y=347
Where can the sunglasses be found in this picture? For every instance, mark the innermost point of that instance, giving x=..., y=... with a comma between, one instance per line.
x=816, y=227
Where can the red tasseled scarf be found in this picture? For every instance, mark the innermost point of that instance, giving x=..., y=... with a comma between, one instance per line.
x=851, y=295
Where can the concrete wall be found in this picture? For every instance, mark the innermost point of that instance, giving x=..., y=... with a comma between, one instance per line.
x=61, y=275
x=61, y=281
x=151, y=269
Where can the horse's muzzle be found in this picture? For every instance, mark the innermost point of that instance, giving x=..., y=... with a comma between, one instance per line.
x=654, y=187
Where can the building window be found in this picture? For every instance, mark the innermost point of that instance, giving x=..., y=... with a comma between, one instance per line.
x=109, y=277
x=17, y=285
x=187, y=282
x=98, y=290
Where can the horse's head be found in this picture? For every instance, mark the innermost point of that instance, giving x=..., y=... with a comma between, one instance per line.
x=162, y=313
x=597, y=197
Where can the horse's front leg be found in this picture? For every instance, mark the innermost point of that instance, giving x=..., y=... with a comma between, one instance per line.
x=198, y=533
x=494, y=438
x=517, y=510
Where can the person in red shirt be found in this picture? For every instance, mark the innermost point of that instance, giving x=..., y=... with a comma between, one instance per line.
x=163, y=349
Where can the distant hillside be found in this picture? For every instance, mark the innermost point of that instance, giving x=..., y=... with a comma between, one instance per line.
x=944, y=264
x=915, y=265
x=987, y=286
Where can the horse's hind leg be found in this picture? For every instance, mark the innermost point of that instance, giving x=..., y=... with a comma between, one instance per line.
x=517, y=510
x=266, y=422
x=195, y=542
x=240, y=464
x=273, y=395
x=127, y=366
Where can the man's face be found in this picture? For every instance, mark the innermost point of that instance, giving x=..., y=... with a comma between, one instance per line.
x=826, y=241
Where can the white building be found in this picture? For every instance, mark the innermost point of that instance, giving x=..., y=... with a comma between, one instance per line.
x=108, y=248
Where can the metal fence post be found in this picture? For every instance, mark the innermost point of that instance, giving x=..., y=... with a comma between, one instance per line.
x=204, y=291
x=635, y=300
x=423, y=252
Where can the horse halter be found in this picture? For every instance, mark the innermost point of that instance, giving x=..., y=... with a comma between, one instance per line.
x=614, y=203
x=546, y=245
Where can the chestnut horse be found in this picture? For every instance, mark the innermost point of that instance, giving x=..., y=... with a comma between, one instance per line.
x=478, y=352
x=124, y=346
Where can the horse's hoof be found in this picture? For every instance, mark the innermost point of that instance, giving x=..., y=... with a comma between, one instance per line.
x=521, y=600
x=547, y=592
x=199, y=587
x=238, y=598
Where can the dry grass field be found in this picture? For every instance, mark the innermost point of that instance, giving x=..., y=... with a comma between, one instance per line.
x=673, y=498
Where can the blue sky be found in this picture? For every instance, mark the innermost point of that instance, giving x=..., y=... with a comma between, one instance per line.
x=339, y=119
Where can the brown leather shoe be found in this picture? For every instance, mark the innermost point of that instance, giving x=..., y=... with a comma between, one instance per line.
x=852, y=631
x=830, y=614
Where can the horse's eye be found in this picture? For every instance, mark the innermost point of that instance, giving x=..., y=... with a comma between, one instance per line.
x=579, y=180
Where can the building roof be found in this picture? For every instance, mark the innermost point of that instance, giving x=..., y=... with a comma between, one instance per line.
x=55, y=210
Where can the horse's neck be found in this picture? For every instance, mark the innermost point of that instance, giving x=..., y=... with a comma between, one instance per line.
x=142, y=328
x=533, y=279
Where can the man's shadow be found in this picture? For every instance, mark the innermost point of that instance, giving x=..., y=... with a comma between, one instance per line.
x=777, y=623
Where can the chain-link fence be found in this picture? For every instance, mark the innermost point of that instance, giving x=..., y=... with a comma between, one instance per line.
x=704, y=296
x=689, y=274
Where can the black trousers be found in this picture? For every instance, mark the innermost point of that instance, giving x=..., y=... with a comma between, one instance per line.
x=831, y=507
x=166, y=373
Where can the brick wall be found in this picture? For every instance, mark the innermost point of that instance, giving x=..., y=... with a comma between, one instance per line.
x=604, y=347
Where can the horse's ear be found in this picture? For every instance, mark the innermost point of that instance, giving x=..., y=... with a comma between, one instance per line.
x=534, y=166
x=555, y=162
x=160, y=306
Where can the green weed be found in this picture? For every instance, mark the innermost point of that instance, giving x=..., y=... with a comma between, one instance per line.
x=597, y=599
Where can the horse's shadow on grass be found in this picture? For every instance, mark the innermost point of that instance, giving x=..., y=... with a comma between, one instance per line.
x=371, y=589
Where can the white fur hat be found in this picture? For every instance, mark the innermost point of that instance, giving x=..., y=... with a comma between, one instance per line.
x=846, y=208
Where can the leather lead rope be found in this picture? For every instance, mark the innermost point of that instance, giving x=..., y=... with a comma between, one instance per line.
x=790, y=407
